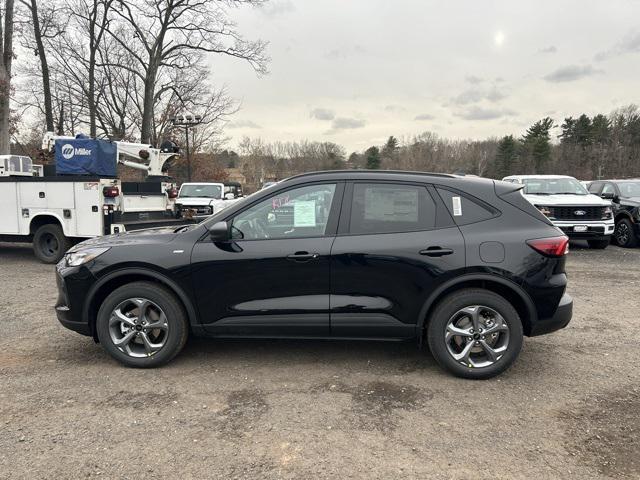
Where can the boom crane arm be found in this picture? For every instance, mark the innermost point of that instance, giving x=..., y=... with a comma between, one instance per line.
x=156, y=158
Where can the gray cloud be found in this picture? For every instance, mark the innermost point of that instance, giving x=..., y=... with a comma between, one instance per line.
x=480, y=113
x=549, y=49
x=475, y=95
x=394, y=108
x=571, y=73
x=345, y=123
x=276, y=8
x=322, y=114
x=629, y=44
x=424, y=116
x=243, y=124
x=473, y=80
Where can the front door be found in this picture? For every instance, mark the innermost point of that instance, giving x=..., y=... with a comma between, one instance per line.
x=391, y=252
x=273, y=278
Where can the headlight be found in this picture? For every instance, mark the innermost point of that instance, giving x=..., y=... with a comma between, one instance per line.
x=80, y=257
x=607, y=213
x=546, y=211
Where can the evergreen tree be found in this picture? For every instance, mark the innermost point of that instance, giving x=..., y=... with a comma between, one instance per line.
x=506, y=156
x=372, y=155
x=537, y=144
x=601, y=129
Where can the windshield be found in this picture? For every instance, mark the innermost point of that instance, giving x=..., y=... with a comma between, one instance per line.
x=629, y=189
x=553, y=186
x=201, y=191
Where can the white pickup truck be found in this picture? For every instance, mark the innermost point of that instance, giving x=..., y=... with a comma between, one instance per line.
x=201, y=199
x=571, y=208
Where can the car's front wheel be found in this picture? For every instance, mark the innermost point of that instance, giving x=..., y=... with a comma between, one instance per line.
x=142, y=324
x=475, y=333
x=624, y=235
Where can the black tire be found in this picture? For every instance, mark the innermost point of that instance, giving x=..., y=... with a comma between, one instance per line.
x=624, y=235
x=50, y=244
x=178, y=329
x=598, y=244
x=453, y=303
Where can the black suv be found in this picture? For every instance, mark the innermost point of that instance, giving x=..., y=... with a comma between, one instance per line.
x=466, y=265
x=625, y=198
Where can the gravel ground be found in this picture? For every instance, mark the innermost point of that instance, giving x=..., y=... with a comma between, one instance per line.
x=570, y=407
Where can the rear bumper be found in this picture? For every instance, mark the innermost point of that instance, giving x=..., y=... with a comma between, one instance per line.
x=560, y=318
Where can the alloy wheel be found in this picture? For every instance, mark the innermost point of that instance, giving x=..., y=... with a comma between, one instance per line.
x=622, y=233
x=476, y=336
x=138, y=327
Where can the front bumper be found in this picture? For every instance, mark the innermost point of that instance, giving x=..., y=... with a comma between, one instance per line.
x=560, y=318
x=594, y=230
x=72, y=283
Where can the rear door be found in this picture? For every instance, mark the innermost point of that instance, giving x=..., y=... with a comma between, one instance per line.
x=396, y=244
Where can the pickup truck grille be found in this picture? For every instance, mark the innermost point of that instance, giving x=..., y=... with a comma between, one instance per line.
x=577, y=213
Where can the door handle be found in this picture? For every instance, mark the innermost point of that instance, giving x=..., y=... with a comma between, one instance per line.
x=302, y=256
x=436, y=251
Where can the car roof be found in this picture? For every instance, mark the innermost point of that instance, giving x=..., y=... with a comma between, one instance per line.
x=370, y=174
x=524, y=177
x=619, y=180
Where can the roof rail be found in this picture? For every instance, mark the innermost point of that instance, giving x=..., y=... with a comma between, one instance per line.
x=363, y=171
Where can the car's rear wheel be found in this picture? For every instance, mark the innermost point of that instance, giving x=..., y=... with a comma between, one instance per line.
x=598, y=244
x=624, y=235
x=475, y=333
x=142, y=324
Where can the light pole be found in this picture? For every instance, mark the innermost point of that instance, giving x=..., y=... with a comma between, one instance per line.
x=187, y=121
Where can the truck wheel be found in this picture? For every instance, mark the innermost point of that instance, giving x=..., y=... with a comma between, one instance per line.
x=598, y=244
x=475, y=333
x=50, y=244
x=623, y=234
x=142, y=324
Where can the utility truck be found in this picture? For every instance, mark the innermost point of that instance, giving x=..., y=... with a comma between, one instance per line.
x=83, y=198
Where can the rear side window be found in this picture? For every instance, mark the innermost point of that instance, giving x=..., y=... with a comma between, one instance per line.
x=463, y=209
x=389, y=208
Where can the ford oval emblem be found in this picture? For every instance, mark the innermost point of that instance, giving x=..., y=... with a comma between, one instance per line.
x=580, y=212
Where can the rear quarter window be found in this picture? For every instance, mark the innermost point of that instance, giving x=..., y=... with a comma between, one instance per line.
x=465, y=209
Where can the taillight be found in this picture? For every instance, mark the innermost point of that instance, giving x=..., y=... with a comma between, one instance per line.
x=172, y=193
x=111, y=192
x=552, y=246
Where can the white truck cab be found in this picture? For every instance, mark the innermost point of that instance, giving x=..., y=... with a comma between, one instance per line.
x=201, y=199
x=571, y=208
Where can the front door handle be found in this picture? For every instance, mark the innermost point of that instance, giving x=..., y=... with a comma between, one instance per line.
x=436, y=251
x=302, y=256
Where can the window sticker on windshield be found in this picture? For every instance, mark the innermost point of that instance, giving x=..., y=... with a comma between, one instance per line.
x=304, y=213
x=457, y=206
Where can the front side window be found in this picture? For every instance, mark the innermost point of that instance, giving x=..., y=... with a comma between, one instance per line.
x=387, y=208
x=630, y=189
x=594, y=187
x=608, y=188
x=301, y=212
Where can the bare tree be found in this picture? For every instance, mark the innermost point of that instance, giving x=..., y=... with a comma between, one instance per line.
x=171, y=34
x=6, y=57
x=45, y=28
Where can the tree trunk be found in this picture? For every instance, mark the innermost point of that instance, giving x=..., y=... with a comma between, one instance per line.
x=44, y=67
x=147, y=106
x=5, y=77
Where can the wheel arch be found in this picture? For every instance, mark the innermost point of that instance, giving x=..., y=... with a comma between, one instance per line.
x=503, y=287
x=107, y=284
x=41, y=219
x=624, y=214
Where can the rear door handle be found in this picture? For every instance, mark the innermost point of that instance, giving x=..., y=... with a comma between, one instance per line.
x=302, y=256
x=436, y=251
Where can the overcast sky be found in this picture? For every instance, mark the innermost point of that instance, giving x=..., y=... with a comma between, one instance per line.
x=356, y=71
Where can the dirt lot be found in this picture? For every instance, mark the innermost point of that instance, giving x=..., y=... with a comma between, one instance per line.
x=569, y=408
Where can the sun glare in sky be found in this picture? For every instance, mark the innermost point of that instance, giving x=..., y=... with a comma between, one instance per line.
x=498, y=38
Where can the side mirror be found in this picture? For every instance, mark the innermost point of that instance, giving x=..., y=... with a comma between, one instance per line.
x=219, y=232
x=607, y=195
